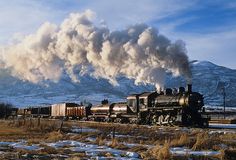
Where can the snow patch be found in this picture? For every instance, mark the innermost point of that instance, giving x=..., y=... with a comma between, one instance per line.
x=21, y=145
x=186, y=151
x=94, y=150
x=226, y=126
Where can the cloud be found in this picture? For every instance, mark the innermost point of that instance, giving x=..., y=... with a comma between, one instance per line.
x=20, y=18
x=217, y=46
x=26, y=16
x=79, y=47
x=119, y=14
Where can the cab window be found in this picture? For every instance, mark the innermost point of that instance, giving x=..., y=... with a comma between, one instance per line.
x=132, y=102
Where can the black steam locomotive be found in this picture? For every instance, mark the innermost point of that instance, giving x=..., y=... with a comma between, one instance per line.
x=146, y=108
x=155, y=108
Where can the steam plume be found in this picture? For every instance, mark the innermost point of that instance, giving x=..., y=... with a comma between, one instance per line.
x=78, y=47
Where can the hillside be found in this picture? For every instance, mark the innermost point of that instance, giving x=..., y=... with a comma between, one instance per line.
x=208, y=79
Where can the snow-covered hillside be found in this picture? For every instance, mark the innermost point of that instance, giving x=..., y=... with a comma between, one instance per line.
x=208, y=79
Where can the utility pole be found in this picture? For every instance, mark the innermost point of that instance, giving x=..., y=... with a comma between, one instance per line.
x=224, y=95
x=39, y=109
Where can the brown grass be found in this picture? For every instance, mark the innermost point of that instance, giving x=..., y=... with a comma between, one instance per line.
x=230, y=154
x=228, y=139
x=78, y=156
x=200, y=141
x=183, y=140
x=100, y=141
x=10, y=133
x=35, y=125
x=54, y=136
x=114, y=143
x=221, y=155
x=48, y=150
x=158, y=152
x=164, y=152
x=47, y=131
x=138, y=149
x=204, y=141
x=34, y=140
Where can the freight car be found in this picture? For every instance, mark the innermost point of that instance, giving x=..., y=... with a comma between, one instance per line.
x=61, y=110
x=78, y=112
x=26, y=112
x=70, y=110
x=36, y=111
x=42, y=111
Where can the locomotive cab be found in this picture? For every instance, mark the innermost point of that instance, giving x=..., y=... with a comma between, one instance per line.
x=146, y=100
x=133, y=102
x=141, y=102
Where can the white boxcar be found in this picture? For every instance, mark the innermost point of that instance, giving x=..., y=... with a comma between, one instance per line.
x=60, y=110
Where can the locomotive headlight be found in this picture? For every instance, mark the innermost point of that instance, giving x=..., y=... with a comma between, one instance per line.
x=183, y=101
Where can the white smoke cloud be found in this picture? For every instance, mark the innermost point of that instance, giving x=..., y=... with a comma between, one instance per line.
x=79, y=47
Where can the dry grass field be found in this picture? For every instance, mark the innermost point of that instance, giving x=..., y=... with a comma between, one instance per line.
x=50, y=139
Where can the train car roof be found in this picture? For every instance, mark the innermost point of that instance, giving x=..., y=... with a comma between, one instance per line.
x=66, y=103
x=133, y=96
x=145, y=94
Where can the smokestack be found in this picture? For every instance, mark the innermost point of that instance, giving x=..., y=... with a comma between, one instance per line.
x=190, y=88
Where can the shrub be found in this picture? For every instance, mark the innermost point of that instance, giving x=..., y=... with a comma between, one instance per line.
x=5, y=110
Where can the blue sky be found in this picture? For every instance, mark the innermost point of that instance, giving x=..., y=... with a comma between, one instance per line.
x=208, y=27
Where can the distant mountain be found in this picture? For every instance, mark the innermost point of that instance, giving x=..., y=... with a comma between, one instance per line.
x=208, y=79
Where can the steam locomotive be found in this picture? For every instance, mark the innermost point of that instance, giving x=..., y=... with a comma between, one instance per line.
x=155, y=108
x=150, y=108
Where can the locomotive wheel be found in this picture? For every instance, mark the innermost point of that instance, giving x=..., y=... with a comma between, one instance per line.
x=166, y=119
x=172, y=120
x=154, y=119
x=160, y=120
x=107, y=119
x=148, y=119
x=118, y=120
x=133, y=121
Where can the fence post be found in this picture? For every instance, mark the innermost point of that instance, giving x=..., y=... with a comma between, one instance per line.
x=24, y=118
x=113, y=133
x=61, y=125
x=38, y=121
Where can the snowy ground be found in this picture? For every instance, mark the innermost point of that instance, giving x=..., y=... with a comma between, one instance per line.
x=222, y=126
x=97, y=152
x=84, y=139
x=91, y=150
x=219, y=108
x=186, y=151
